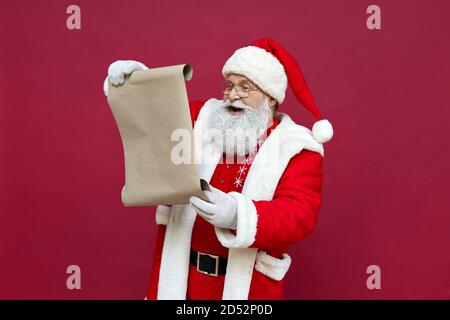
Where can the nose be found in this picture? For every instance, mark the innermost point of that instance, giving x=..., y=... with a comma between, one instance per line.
x=233, y=94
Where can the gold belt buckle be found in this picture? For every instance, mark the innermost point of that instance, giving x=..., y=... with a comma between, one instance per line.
x=216, y=272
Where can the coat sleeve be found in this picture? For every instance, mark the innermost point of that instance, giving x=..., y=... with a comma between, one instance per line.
x=292, y=213
x=289, y=217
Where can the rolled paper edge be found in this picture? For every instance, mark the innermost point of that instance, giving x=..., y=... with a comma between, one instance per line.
x=123, y=196
x=187, y=71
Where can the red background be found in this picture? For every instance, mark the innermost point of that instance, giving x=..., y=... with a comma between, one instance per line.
x=386, y=92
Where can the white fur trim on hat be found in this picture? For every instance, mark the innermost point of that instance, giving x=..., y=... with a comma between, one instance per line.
x=322, y=131
x=261, y=67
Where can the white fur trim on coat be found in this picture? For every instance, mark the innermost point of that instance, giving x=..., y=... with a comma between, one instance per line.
x=239, y=273
x=174, y=268
x=162, y=214
x=272, y=267
x=246, y=224
x=261, y=67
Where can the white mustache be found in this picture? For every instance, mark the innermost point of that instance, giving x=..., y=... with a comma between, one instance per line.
x=236, y=104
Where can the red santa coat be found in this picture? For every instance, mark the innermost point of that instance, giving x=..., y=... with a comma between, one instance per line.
x=278, y=200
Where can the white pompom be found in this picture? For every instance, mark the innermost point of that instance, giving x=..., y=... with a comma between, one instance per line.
x=322, y=131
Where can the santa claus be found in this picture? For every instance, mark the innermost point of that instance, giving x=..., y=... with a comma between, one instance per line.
x=265, y=192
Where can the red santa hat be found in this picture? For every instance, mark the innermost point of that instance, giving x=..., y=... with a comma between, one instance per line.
x=271, y=67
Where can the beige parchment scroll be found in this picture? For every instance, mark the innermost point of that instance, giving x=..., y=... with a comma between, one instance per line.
x=147, y=108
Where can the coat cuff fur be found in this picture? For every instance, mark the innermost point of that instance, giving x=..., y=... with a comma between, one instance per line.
x=247, y=219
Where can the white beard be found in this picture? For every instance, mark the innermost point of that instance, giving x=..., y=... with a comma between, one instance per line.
x=240, y=134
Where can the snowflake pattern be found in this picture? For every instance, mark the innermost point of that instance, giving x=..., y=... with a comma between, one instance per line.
x=238, y=182
x=239, y=179
x=242, y=170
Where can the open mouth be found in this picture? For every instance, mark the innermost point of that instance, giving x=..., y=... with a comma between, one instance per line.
x=234, y=110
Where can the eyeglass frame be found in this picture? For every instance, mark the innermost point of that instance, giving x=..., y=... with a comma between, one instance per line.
x=228, y=82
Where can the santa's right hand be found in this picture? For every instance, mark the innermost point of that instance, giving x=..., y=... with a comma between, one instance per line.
x=119, y=69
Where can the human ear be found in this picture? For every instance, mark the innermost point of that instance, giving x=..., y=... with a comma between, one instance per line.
x=272, y=102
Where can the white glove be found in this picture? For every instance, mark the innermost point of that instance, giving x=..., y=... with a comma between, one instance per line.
x=118, y=70
x=222, y=212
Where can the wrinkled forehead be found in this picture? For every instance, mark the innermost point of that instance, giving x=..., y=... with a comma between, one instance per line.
x=237, y=78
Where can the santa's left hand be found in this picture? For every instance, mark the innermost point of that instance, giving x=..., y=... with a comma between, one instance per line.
x=221, y=212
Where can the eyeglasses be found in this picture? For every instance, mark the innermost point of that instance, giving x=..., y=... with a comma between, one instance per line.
x=243, y=89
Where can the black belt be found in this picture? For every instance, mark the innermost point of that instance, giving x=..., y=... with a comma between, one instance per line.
x=208, y=263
